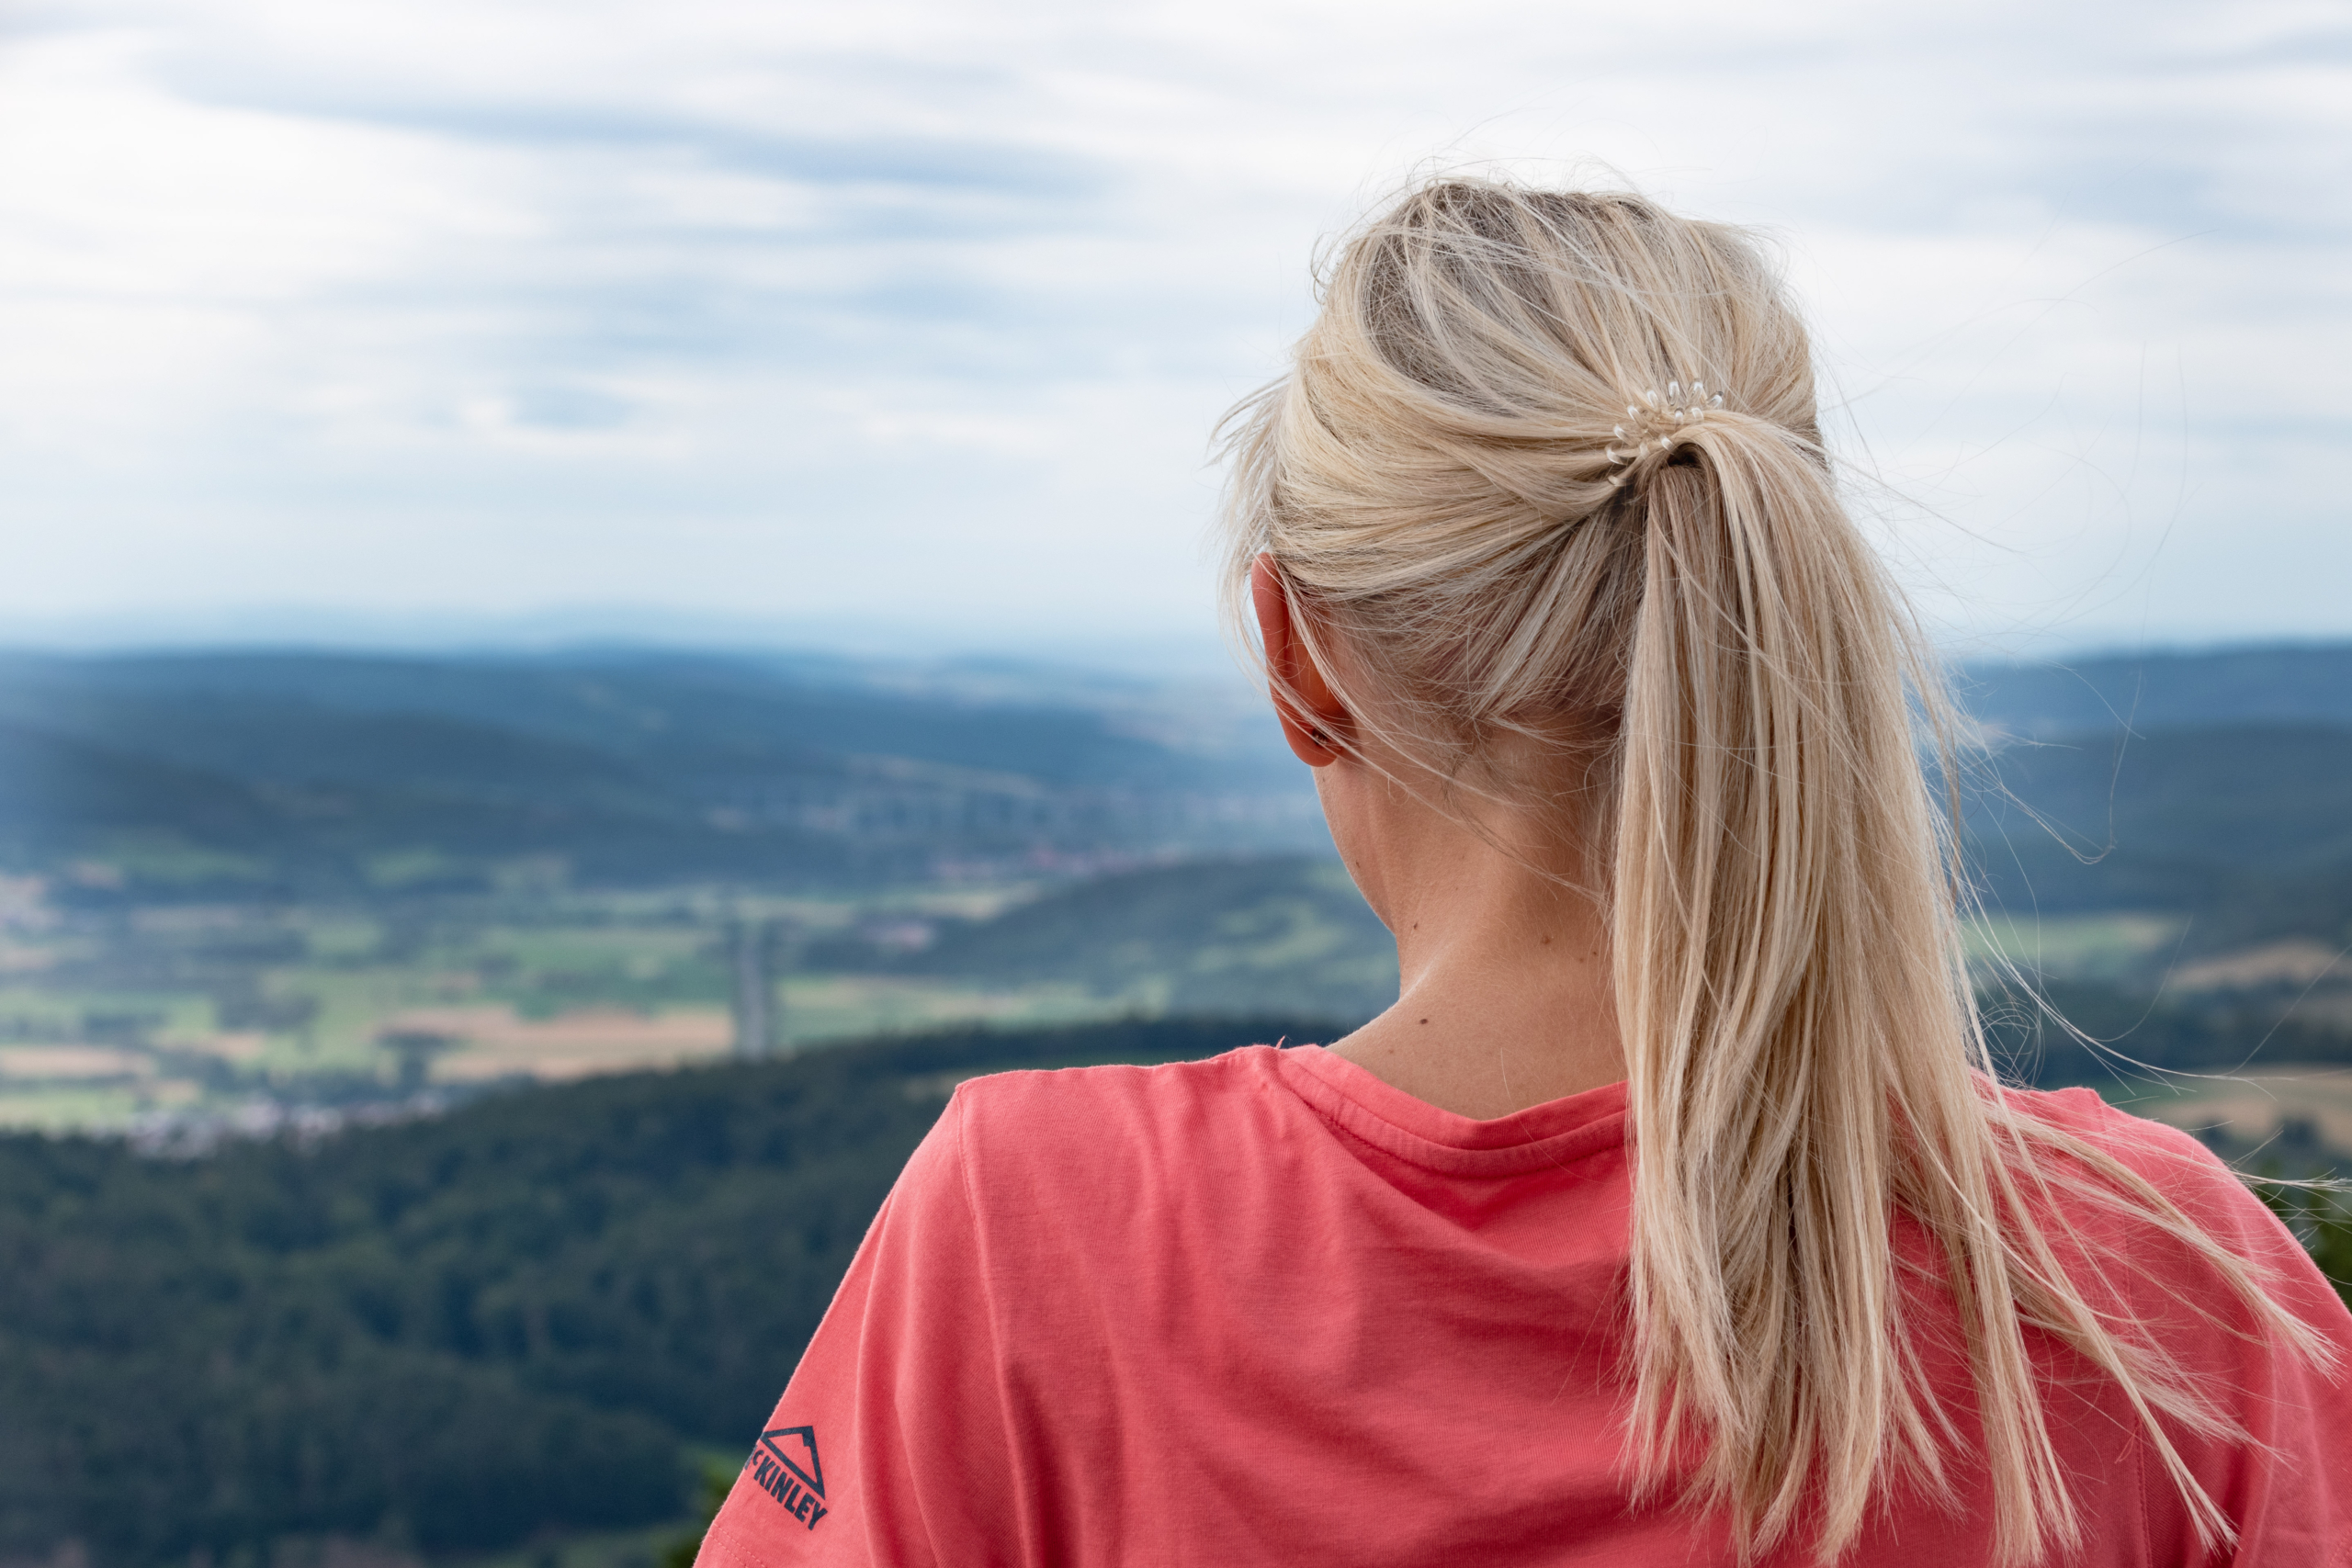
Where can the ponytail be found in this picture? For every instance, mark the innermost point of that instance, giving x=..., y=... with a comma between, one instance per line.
x=1683, y=612
x=1758, y=984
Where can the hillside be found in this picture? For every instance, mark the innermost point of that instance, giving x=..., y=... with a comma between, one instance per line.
x=2220, y=820
x=120, y=820
x=294, y=774
x=278, y=774
x=1286, y=934
x=2256, y=798
x=672, y=714
x=2158, y=688
x=2216, y=784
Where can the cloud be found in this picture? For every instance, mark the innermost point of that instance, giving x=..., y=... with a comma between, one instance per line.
x=923, y=311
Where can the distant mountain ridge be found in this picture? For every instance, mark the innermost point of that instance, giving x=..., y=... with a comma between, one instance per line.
x=2263, y=797
x=627, y=765
x=2162, y=688
x=2217, y=784
x=2178, y=776
x=657, y=710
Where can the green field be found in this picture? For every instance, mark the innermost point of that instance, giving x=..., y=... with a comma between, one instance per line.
x=205, y=1011
x=193, y=1008
x=2101, y=946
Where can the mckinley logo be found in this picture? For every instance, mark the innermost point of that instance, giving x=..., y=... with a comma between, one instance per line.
x=785, y=1465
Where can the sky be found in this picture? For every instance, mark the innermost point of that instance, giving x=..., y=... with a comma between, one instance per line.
x=904, y=326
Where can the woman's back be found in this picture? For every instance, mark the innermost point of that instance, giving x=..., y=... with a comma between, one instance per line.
x=1266, y=1308
x=1672, y=1213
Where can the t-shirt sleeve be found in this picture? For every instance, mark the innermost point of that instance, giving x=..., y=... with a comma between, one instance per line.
x=889, y=1444
x=2288, y=1490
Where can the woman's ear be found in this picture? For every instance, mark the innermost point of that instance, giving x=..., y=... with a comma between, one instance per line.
x=1310, y=714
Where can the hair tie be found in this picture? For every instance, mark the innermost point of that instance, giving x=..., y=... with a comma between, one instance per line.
x=1655, y=420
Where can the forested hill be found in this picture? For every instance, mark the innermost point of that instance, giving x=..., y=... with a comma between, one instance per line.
x=451, y=1335
x=228, y=777
x=239, y=774
x=2213, y=785
x=2291, y=684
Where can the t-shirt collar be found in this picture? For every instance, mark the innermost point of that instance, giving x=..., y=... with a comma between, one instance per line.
x=1540, y=1137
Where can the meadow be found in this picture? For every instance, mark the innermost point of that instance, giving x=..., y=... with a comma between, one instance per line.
x=193, y=1015
x=192, y=1010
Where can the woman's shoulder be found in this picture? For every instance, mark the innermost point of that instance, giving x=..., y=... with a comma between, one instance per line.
x=1081, y=1145
x=1044, y=1112
x=2181, y=1171
x=2157, y=1150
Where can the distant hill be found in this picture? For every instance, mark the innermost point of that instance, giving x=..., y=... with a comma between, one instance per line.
x=154, y=826
x=297, y=774
x=2283, y=684
x=1284, y=934
x=294, y=771
x=670, y=714
x=2214, y=784
x=2257, y=797
x=2248, y=826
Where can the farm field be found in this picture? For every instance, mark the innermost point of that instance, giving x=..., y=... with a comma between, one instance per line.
x=2284, y=1114
x=156, y=1017
x=2104, y=945
x=263, y=884
x=162, y=1017
x=178, y=1012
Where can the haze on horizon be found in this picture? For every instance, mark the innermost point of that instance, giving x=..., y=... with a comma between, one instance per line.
x=905, y=326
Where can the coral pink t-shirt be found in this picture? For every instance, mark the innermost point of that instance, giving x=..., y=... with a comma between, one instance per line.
x=1266, y=1309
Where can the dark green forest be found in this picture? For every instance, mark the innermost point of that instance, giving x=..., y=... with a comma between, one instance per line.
x=453, y=1334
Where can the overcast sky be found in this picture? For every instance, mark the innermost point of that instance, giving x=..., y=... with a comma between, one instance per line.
x=909, y=321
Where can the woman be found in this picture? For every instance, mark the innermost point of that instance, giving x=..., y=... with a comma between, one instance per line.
x=1673, y=1215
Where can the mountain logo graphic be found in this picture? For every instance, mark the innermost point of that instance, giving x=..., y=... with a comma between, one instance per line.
x=784, y=1466
x=812, y=1475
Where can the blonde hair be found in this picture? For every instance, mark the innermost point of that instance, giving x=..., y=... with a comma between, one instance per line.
x=1711, y=655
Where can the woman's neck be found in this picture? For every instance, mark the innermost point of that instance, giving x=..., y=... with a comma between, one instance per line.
x=1505, y=1000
